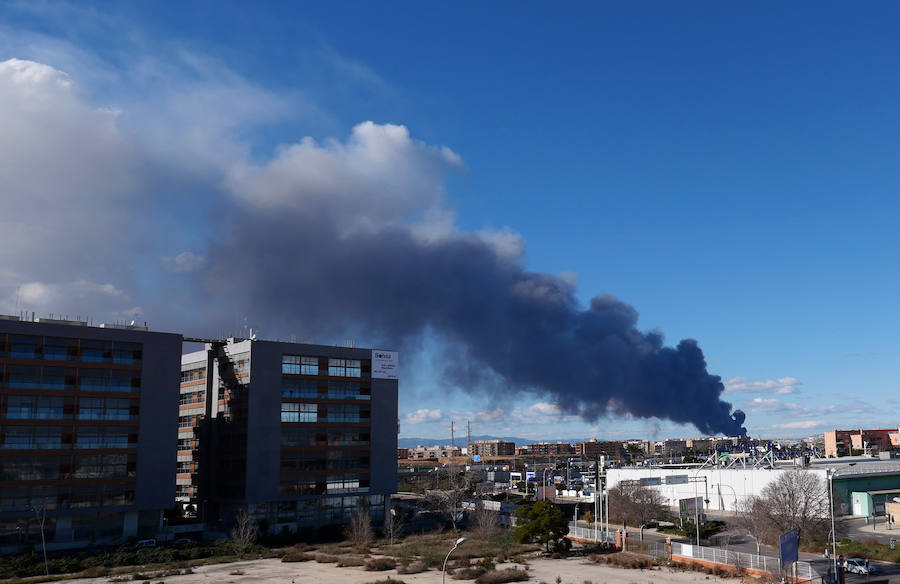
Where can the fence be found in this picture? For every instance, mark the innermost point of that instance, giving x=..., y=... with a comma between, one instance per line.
x=751, y=562
x=589, y=534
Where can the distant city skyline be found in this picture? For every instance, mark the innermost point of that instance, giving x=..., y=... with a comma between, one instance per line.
x=729, y=172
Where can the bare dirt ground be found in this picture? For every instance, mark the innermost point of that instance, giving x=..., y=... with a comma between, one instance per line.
x=571, y=571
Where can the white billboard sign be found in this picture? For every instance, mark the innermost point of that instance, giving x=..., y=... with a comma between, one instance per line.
x=384, y=364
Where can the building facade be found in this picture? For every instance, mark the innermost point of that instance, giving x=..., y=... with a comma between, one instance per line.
x=433, y=452
x=299, y=434
x=87, y=416
x=846, y=442
x=549, y=449
x=484, y=448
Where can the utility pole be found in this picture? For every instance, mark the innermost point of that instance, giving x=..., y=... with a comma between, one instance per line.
x=468, y=440
x=452, y=446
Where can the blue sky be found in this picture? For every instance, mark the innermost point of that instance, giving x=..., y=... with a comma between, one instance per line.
x=730, y=171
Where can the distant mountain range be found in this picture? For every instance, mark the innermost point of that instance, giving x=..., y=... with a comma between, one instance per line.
x=461, y=440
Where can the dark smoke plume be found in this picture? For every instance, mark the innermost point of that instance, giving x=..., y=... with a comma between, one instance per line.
x=527, y=328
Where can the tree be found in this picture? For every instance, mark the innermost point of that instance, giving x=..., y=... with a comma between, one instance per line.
x=484, y=521
x=544, y=523
x=243, y=534
x=359, y=530
x=447, y=503
x=797, y=499
x=635, y=504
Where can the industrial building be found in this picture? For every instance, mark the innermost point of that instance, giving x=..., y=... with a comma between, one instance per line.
x=298, y=434
x=87, y=416
x=861, y=485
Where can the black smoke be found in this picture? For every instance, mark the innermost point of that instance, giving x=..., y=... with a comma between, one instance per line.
x=297, y=272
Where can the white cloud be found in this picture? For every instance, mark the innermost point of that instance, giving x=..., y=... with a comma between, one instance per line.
x=799, y=425
x=781, y=386
x=423, y=416
x=378, y=177
x=184, y=263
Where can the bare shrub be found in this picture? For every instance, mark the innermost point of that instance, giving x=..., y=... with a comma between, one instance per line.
x=359, y=530
x=468, y=573
x=352, y=562
x=292, y=555
x=415, y=567
x=484, y=521
x=501, y=576
x=327, y=558
x=380, y=564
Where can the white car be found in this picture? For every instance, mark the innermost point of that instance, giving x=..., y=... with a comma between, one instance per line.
x=859, y=566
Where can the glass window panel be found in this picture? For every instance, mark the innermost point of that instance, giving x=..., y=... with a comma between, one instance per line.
x=127, y=353
x=94, y=380
x=23, y=377
x=50, y=408
x=25, y=347
x=20, y=407
x=61, y=349
x=58, y=378
x=96, y=351
x=124, y=381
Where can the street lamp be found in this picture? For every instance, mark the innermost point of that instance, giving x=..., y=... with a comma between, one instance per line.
x=458, y=543
x=831, y=508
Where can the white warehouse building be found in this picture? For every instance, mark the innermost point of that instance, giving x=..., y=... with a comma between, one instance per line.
x=724, y=488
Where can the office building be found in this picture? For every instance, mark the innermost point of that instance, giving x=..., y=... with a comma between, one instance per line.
x=87, y=416
x=298, y=434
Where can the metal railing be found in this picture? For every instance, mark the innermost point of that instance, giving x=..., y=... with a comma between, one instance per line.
x=590, y=534
x=804, y=570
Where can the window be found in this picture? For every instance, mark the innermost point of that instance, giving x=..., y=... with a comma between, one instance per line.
x=344, y=484
x=297, y=365
x=127, y=353
x=58, y=378
x=96, y=351
x=193, y=375
x=290, y=412
x=344, y=368
x=90, y=408
x=295, y=412
x=117, y=409
x=20, y=407
x=89, y=438
x=299, y=388
x=123, y=381
x=352, y=414
x=61, y=349
x=49, y=408
x=24, y=377
x=94, y=380
x=47, y=438
x=348, y=390
x=290, y=365
x=25, y=347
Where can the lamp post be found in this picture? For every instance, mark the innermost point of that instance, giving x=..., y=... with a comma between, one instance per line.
x=458, y=543
x=544, y=483
x=831, y=508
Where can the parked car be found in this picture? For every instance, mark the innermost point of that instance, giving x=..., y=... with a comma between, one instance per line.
x=145, y=543
x=859, y=566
